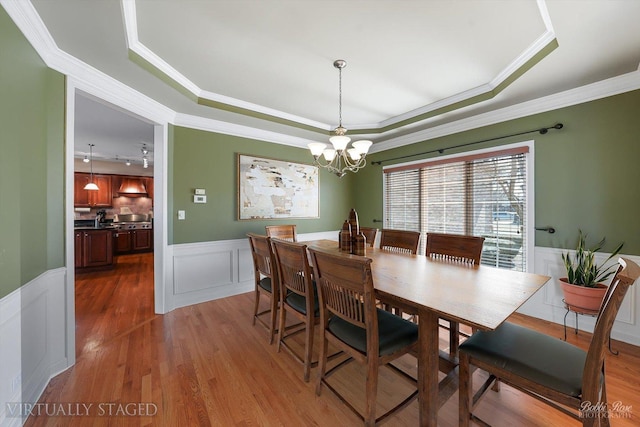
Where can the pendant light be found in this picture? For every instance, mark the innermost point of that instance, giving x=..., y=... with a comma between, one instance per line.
x=339, y=160
x=91, y=185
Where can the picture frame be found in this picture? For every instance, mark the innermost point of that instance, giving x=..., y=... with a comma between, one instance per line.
x=276, y=189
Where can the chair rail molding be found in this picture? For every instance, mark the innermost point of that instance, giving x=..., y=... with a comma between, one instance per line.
x=205, y=271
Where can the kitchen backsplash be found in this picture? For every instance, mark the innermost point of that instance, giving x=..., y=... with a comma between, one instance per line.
x=133, y=205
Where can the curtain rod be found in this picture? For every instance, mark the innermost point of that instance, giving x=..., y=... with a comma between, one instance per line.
x=542, y=131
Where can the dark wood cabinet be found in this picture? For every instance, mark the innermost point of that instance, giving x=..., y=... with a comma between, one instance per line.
x=103, y=197
x=132, y=241
x=94, y=248
x=141, y=240
x=122, y=242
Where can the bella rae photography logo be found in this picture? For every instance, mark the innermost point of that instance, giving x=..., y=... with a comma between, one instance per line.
x=600, y=409
x=81, y=409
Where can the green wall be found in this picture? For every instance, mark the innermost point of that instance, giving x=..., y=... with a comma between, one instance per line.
x=31, y=162
x=200, y=159
x=586, y=174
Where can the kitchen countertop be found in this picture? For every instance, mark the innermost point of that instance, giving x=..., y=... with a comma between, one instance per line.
x=102, y=227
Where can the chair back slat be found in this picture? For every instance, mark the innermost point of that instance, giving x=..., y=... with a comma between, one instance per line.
x=294, y=270
x=628, y=272
x=401, y=241
x=261, y=252
x=344, y=303
x=284, y=232
x=454, y=247
x=345, y=286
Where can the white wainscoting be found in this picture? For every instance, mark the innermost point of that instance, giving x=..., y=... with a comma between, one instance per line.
x=32, y=340
x=33, y=327
x=205, y=271
x=547, y=303
x=210, y=270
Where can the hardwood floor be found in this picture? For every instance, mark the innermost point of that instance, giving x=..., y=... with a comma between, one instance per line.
x=206, y=365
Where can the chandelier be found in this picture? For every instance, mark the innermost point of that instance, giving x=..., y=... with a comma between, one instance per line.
x=339, y=160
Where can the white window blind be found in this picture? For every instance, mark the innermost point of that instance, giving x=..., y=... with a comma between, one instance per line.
x=479, y=194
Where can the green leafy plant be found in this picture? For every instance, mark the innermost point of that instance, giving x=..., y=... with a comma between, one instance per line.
x=583, y=271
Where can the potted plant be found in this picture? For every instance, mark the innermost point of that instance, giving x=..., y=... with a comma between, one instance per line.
x=583, y=288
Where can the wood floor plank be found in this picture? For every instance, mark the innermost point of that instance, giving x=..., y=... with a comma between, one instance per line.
x=206, y=365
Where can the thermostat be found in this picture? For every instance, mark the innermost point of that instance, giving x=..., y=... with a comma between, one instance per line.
x=199, y=199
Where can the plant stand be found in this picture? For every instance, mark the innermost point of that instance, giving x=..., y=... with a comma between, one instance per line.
x=582, y=312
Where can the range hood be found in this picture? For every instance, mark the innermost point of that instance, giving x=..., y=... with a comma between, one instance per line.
x=132, y=187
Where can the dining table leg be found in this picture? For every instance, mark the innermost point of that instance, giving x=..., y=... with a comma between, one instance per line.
x=428, y=356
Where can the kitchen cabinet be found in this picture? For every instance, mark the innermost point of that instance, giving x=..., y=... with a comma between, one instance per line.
x=126, y=241
x=103, y=197
x=122, y=242
x=141, y=240
x=93, y=248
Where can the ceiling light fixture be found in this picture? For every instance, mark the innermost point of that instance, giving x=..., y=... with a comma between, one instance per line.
x=127, y=162
x=145, y=159
x=339, y=160
x=86, y=159
x=91, y=185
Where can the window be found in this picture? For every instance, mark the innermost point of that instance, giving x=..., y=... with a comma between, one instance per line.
x=483, y=193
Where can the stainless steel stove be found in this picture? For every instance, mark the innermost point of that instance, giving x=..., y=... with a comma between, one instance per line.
x=132, y=222
x=135, y=225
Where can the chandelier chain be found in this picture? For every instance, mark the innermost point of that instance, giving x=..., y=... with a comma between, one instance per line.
x=340, y=97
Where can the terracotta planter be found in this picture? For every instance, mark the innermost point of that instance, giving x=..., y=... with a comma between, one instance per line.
x=581, y=299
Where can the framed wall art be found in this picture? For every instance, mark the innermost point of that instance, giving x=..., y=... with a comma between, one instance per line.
x=275, y=189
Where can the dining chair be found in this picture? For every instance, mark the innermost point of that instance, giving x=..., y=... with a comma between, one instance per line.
x=557, y=373
x=298, y=297
x=399, y=241
x=459, y=249
x=266, y=281
x=285, y=232
x=369, y=234
x=350, y=321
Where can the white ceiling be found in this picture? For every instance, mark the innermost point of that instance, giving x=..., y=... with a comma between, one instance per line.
x=270, y=61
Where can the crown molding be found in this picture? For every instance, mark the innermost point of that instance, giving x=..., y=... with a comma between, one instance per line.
x=529, y=57
x=217, y=126
x=96, y=83
x=602, y=89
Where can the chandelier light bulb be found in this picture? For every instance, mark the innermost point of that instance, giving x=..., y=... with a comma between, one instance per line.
x=316, y=148
x=354, y=154
x=329, y=154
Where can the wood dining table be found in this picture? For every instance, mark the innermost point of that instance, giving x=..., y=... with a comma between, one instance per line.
x=480, y=296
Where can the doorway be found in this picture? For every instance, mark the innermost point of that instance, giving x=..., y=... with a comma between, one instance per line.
x=128, y=291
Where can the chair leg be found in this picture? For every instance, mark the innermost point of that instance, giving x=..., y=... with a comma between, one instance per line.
x=322, y=361
x=283, y=320
x=256, y=305
x=308, y=348
x=371, y=392
x=274, y=312
x=454, y=331
x=604, y=418
x=465, y=390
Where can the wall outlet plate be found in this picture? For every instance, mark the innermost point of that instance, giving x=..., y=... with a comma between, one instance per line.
x=200, y=191
x=181, y=214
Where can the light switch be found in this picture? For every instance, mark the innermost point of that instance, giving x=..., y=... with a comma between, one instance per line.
x=181, y=215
